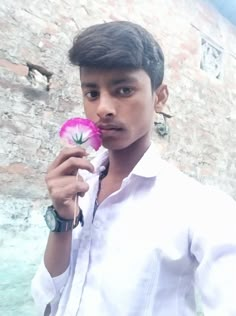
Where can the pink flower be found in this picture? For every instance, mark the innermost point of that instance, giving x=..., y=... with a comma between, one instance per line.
x=82, y=132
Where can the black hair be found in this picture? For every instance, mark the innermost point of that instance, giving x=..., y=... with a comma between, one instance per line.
x=119, y=45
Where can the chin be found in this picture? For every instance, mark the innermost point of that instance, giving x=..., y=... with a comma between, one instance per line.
x=115, y=145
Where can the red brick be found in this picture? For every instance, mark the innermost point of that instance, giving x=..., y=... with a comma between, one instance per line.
x=18, y=69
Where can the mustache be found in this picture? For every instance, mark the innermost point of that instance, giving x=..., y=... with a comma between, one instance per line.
x=108, y=124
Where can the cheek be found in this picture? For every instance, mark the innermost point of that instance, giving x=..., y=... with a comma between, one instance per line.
x=90, y=112
x=143, y=114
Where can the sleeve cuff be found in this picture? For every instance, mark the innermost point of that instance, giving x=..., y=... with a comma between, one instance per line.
x=47, y=290
x=60, y=281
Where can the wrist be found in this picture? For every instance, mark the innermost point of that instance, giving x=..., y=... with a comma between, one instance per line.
x=58, y=224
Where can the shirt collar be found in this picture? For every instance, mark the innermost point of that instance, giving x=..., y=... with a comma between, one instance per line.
x=148, y=166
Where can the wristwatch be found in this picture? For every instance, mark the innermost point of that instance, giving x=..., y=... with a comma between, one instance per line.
x=58, y=224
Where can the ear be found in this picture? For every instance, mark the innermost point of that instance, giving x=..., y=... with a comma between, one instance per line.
x=161, y=97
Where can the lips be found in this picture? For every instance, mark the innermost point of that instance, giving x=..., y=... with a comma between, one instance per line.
x=108, y=127
x=110, y=130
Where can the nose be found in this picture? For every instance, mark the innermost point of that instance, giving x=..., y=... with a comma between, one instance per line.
x=106, y=107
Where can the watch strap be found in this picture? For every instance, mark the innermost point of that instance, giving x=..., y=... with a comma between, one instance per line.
x=63, y=224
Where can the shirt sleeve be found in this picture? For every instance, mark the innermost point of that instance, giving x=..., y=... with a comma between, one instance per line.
x=47, y=290
x=214, y=247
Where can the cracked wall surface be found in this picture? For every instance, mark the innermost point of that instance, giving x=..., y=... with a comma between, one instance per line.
x=39, y=90
x=201, y=139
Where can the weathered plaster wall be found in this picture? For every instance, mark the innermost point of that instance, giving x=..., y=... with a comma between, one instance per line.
x=202, y=134
x=202, y=131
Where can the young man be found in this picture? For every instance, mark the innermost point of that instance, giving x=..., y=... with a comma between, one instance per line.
x=150, y=233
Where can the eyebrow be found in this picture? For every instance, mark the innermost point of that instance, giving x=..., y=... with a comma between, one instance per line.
x=124, y=80
x=114, y=82
x=88, y=85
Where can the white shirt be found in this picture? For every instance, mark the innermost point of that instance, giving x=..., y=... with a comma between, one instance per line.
x=149, y=244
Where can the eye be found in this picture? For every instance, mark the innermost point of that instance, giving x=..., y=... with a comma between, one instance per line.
x=92, y=95
x=125, y=91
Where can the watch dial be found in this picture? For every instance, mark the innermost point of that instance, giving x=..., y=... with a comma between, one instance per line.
x=50, y=220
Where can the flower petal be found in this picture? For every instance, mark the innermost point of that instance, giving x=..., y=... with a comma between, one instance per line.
x=80, y=131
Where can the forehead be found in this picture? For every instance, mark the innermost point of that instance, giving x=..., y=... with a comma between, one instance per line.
x=90, y=75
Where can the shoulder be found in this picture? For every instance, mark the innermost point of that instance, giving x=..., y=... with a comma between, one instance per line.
x=208, y=213
x=200, y=200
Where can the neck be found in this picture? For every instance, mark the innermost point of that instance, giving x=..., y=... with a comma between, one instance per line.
x=122, y=162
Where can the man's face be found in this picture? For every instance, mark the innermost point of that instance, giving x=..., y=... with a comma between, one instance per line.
x=121, y=103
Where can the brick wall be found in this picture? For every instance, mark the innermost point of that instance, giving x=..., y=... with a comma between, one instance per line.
x=202, y=131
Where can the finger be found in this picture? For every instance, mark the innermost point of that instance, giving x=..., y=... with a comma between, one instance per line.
x=66, y=153
x=62, y=181
x=60, y=194
x=71, y=167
